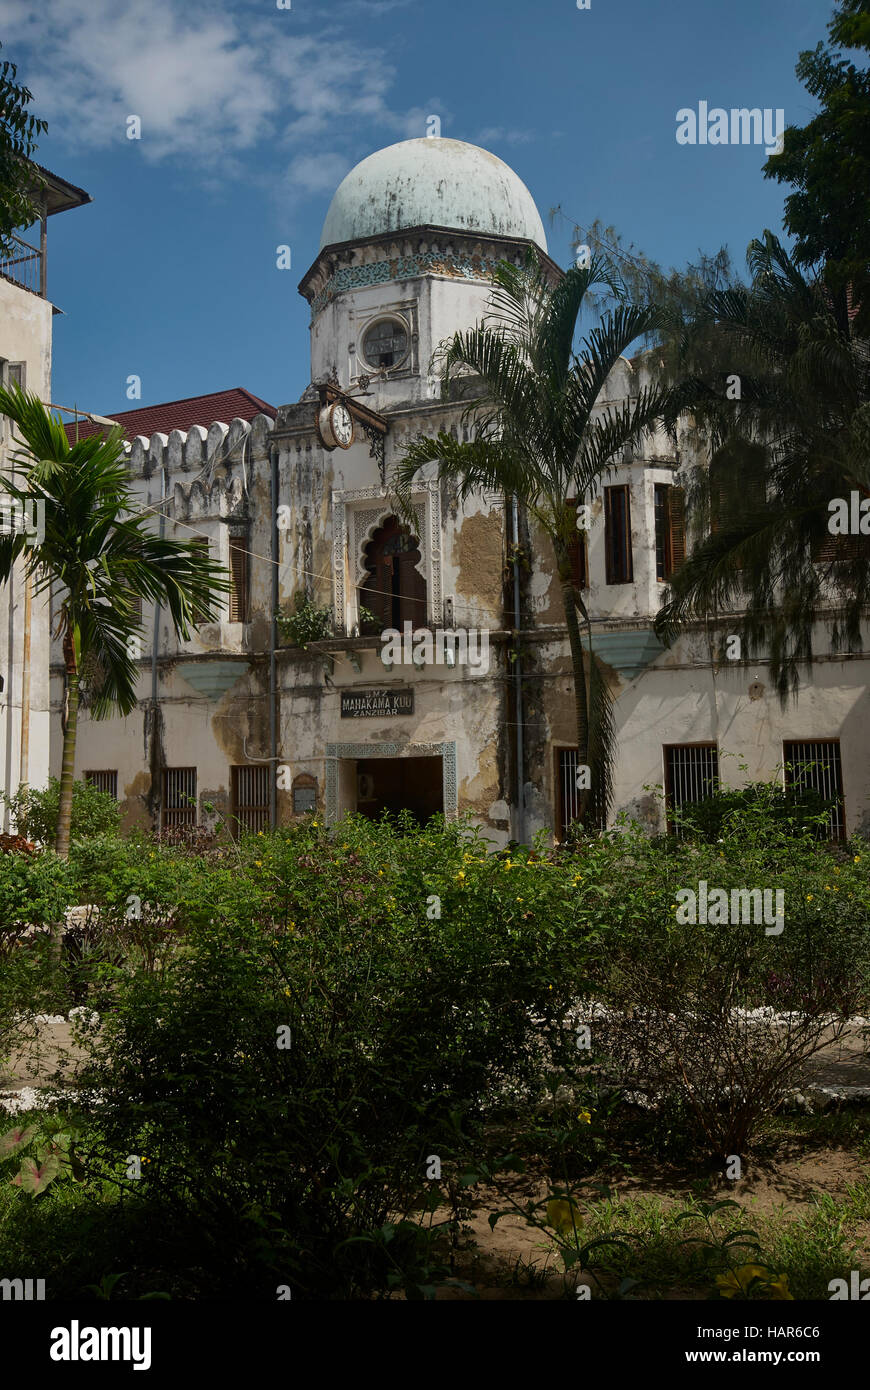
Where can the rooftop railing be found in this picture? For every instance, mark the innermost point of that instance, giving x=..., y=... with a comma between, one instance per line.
x=23, y=265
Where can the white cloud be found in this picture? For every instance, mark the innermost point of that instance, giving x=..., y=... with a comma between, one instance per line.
x=498, y=135
x=209, y=83
x=315, y=173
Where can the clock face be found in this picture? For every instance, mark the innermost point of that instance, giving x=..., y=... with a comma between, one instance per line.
x=342, y=425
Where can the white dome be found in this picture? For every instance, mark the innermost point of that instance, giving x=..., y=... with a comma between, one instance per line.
x=432, y=183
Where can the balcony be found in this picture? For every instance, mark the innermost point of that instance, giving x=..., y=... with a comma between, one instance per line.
x=24, y=265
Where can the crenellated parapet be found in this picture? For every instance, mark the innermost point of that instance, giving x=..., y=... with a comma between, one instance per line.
x=210, y=472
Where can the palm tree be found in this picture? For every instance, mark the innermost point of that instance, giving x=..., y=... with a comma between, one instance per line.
x=97, y=556
x=541, y=436
x=797, y=437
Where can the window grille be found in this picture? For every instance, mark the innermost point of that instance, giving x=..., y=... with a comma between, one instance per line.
x=104, y=781
x=251, y=788
x=691, y=774
x=179, y=797
x=817, y=764
x=568, y=794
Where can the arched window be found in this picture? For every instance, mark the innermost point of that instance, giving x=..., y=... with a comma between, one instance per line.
x=395, y=590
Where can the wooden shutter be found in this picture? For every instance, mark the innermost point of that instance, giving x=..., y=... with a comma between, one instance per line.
x=238, y=579
x=619, y=568
x=676, y=527
x=395, y=589
x=577, y=551
x=411, y=587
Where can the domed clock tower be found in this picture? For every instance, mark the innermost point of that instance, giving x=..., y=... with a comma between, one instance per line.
x=408, y=247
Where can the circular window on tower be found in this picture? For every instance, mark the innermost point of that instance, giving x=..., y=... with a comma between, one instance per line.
x=385, y=343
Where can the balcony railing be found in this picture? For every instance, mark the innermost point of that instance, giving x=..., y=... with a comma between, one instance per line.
x=23, y=265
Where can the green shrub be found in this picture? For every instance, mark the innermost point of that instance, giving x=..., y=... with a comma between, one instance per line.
x=307, y=623
x=417, y=984
x=792, y=809
x=35, y=811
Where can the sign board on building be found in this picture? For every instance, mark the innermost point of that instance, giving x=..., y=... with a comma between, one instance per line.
x=369, y=704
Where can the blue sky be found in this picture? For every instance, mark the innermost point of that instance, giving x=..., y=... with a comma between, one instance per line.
x=252, y=114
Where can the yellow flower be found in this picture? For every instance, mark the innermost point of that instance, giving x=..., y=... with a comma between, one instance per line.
x=519, y=900
x=779, y=1288
x=737, y=1281
x=314, y=822
x=857, y=859
x=287, y=991
x=809, y=897
x=380, y=873
x=585, y=1116
x=559, y=1213
x=508, y=864
x=259, y=832
x=258, y=863
x=460, y=876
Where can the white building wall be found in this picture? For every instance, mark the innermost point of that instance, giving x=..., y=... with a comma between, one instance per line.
x=25, y=336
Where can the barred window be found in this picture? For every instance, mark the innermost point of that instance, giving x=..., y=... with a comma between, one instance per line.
x=568, y=794
x=104, y=781
x=619, y=568
x=691, y=774
x=250, y=789
x=817, y=765
x=179, y=797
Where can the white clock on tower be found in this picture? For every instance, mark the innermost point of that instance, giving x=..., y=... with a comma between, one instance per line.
x=336, y=425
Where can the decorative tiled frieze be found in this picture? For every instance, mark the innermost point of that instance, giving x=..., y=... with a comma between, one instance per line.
x=352, y=277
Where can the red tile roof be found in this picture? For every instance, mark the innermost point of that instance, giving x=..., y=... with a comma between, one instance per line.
x=237, y=403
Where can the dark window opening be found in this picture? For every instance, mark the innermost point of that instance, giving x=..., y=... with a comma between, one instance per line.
x=619, y=568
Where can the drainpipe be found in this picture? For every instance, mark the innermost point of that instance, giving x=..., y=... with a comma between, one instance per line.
x=520, y=818
x=273, y=629
x=157, y=612
x=24, y=765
